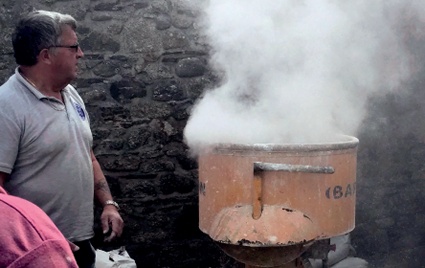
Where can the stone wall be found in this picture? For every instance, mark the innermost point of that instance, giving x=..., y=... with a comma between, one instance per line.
x=145, y=65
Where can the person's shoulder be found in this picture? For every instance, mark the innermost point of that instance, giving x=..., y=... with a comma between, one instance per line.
x=25, y=224
x=10, y=89
x=50, y=253
x=27, y=213
x=13, y=99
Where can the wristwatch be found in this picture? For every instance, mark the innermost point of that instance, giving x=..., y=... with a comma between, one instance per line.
x=113, y=203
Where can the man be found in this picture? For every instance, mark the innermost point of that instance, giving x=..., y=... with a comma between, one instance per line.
x=45, y=146
x=29, y=238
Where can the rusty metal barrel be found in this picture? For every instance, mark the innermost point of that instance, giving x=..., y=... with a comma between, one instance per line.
x=263, y=203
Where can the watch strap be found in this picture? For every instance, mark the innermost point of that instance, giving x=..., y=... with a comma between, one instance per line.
x=113, y=203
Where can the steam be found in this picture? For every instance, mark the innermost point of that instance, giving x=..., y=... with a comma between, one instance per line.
x=297, y=71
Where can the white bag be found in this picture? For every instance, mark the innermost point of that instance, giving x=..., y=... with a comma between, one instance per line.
x=351, y=262
x=342, y=257
x=343, y=249
x=117, y=258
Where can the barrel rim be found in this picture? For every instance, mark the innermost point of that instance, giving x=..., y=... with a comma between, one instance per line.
x=345, y=142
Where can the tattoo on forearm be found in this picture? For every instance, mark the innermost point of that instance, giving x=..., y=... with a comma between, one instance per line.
x=102, y=186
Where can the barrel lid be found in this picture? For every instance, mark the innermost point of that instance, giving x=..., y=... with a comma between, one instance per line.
x=340, y=142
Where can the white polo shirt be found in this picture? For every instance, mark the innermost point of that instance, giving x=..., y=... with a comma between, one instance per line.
x=45, y=147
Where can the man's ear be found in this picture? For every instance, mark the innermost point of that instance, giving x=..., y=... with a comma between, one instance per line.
x=44, y=56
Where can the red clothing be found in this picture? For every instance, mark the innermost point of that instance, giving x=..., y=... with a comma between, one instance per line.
x=28, y=238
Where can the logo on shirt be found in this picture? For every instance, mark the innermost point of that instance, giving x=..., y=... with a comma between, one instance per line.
x=80, y=110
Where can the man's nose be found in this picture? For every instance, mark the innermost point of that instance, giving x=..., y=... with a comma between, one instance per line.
x=80, y=53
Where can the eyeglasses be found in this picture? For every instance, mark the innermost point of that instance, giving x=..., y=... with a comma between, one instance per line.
x=75, y=47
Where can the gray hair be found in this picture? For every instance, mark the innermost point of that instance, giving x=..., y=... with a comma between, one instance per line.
x=36, y=31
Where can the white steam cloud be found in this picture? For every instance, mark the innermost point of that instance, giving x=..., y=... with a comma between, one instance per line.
x=297, y=71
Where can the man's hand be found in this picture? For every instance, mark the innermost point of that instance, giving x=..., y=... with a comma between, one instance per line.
x=111, y=222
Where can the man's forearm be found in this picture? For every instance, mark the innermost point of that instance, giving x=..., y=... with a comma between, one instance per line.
x=110, y=218
x=102, y=192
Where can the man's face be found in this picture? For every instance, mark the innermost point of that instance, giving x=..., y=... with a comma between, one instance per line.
x=65, y=58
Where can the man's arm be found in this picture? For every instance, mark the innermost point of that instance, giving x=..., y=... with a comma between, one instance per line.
x=110, y=217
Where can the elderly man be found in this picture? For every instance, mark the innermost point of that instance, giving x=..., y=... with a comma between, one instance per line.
x=45, y=147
